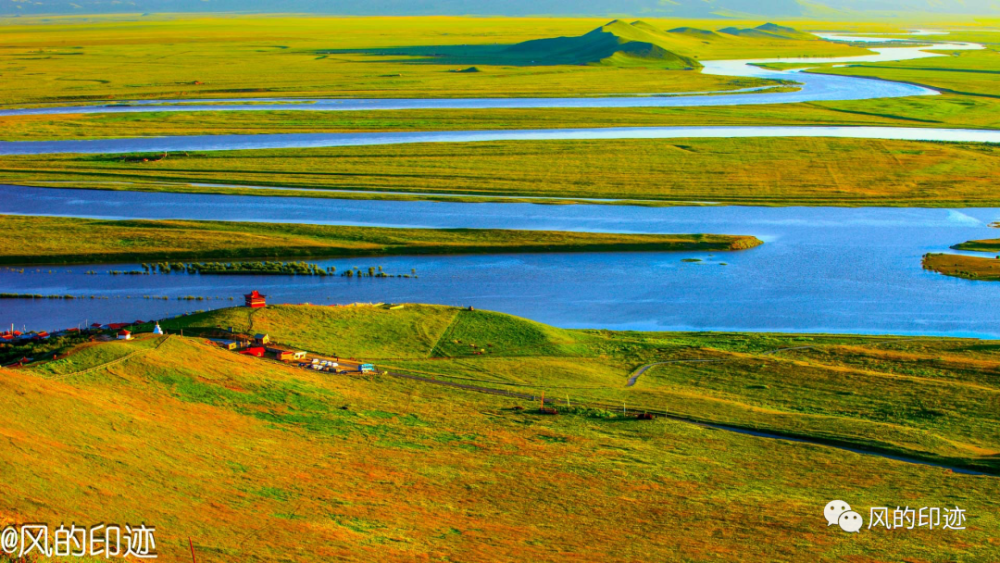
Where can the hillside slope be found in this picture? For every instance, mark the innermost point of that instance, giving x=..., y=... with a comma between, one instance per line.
x=254, y=460
x=618, y=43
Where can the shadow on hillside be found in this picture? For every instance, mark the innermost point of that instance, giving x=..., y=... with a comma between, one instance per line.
x=495, y=55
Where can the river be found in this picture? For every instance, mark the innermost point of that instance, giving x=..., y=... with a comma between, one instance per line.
x=845, y=270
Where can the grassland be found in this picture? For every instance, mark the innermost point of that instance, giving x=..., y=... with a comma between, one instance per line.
x=764, y=171
x=45, y=240
x=100, y=59
x=257, y=461
x=867, y=391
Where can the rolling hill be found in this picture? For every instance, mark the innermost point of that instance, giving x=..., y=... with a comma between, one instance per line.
x=640, y=43
x=235, y=458
x=617, y=42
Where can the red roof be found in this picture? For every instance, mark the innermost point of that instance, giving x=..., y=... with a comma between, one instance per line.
x=96, y=325
x=123, y=332
x=254, y=351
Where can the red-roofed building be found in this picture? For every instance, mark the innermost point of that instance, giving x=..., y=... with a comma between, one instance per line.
x=256, y=351
x=255, y=300
x=124, y=335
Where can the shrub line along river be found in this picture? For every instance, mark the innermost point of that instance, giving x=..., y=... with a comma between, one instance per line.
x=850, y=270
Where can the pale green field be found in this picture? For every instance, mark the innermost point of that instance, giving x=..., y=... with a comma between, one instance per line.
x=198, y=57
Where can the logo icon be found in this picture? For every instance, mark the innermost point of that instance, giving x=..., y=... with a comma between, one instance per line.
x=839, y=512
x=850, y=522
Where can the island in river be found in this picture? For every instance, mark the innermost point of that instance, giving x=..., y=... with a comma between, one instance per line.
x=60, y=240
x=984, y=268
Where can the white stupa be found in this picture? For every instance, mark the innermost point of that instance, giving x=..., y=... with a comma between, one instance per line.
x=157, y=329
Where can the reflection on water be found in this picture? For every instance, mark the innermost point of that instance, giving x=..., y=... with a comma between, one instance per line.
x=821, y=269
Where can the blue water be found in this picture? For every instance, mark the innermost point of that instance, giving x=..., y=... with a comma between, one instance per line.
x=821, y=269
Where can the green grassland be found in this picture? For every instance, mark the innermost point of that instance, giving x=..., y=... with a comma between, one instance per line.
x=928, y=398
x=96, y=59
x=44, y=240
x=763, y=171
x=258, y=461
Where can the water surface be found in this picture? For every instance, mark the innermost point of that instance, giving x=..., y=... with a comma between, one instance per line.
x=821, y=269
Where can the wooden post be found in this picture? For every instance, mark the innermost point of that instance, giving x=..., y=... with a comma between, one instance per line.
x=543, y=400
x=193, y=560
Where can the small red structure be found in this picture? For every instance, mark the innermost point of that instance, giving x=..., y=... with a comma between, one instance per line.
x=255, y=300
x=255, y=351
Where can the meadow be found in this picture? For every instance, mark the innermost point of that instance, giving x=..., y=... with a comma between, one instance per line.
x=255, y=460
x=927, y=398
x=759, y=171
x=58, y=240
x=143, y=57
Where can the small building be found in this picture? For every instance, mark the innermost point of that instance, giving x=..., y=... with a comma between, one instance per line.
x=283, y=355
x=227, y=344
x=261, y=338
x=299, y=355
x=124, y=335
x=366, y=368
x=255, y=351
x=157, y=329
x=255, y=300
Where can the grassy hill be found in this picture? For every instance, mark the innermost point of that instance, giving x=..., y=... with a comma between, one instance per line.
x=622, y=43
x=254, y=460
x=617, y=43
x=749, y=388
x=770, y=31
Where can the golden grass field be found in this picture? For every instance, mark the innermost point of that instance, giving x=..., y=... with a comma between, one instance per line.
x=256, y=461
x=760, y=171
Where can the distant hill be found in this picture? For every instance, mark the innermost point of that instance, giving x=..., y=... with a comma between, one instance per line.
x=643, y=8
x=769, y=31
x=641, y=43
x=617, y=42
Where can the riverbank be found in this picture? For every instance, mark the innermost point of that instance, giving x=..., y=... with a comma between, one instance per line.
x=56, y=240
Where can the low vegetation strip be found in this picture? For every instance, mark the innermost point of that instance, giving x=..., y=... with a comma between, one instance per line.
x=981, y=268
x=758, y=171
x=38, y=240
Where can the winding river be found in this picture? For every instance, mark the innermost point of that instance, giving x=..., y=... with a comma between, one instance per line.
x=821, y=269
x=847, y=270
